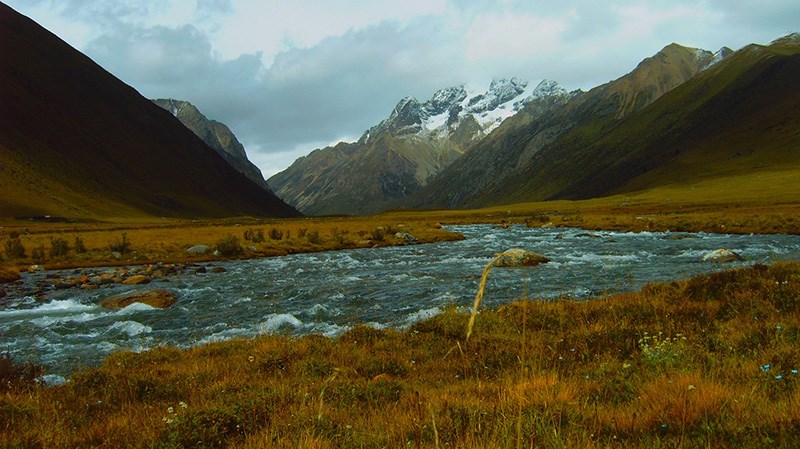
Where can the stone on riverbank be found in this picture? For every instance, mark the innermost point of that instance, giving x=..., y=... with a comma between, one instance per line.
x=198, y=249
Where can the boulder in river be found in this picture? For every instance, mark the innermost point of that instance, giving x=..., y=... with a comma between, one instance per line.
x=137, y=280
x=160, y=299
x=518, y=257
x=722, y=256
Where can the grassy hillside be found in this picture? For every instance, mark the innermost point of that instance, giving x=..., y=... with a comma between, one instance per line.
x=77, y=142
x=711, y=361
x=509, y=156
x=733, y=126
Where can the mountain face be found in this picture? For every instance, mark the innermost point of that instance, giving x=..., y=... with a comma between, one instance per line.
x=77, y=142
x=398, y=156
x=738, y=121
x=510, y=154
x=216, y=135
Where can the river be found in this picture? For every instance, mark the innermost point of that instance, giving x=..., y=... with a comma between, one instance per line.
x=326, y=293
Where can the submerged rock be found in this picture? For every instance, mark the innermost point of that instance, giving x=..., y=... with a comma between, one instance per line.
x=518, y=257
x=160, y=299
x=722, y=256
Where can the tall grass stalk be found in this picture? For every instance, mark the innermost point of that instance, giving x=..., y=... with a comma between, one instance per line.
x=479, y=297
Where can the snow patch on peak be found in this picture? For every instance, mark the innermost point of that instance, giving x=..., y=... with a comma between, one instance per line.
x=449, y=107
x=721, y=54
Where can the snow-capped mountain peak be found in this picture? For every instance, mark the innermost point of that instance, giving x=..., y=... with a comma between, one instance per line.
x=448, y=108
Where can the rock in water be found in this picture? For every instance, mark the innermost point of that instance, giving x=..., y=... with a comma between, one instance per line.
x=722, y=256
x=160, y=299
x=518, y=257
x=136, y=280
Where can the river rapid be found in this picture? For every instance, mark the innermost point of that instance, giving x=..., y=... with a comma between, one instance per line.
x=327, y=293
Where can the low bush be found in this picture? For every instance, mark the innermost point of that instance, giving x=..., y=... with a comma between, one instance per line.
x=229, y=246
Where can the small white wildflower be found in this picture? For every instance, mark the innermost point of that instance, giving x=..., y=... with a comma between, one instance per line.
x=183, y=405
x=691, y=387
x=170, y=410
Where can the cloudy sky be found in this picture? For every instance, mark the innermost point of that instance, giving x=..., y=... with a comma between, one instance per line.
x=291, y=76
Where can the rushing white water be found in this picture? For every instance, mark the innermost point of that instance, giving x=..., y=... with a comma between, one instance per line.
x=326, y=293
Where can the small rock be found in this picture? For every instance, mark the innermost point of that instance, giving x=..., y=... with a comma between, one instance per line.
x=200, y=270
x=722, y=256
x=518, y=257
x=35, y=268
x=116, y=255
x=198, y=249
x=588, y=234
x=407, y=238
x=160, y=299
x=218, y=270
x=137, y=280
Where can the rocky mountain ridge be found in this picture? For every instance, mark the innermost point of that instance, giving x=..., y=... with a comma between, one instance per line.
x=215, y=134
x=399, y=155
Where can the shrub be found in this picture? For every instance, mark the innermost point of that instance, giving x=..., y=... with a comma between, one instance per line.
x=302, y=232
x=15, y=376
x=379, y=234
x=14, y=248
x=58, y=247
x=314, y=237
x=254, y=236
x=275, y=234
x=38, y=254
x=122, y=246
x=229, y=246
x=80, y=248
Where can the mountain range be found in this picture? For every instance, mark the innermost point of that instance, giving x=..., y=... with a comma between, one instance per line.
x=77, y=142
x=680, y=116
x=402, y=153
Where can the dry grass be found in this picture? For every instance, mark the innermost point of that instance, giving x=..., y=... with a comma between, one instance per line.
x=167, y=240
x=711, y=361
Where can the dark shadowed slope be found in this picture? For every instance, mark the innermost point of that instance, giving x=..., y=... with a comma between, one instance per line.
x=77, y=142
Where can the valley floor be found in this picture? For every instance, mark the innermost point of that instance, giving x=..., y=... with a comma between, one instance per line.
x=710, y=361
x=141, y=242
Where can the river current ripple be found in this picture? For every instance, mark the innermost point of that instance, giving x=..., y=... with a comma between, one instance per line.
x=327, y=293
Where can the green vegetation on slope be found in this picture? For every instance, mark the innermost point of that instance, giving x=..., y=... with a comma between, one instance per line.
x=709, y=361
x=733, y=121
